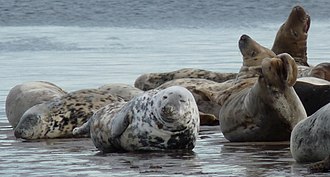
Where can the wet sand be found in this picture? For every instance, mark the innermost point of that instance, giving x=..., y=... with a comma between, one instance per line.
x=213, y=156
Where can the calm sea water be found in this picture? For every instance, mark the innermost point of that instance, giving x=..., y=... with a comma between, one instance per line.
x=85, y=44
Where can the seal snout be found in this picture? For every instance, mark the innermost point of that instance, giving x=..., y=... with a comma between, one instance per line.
x=17, y=133
x=243, y=41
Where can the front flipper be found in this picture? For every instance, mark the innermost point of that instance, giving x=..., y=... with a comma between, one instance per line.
x=121, y=120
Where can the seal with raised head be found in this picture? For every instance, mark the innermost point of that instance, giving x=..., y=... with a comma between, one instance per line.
x=263, y=108
x=291, y=38
x=156, y=120
x=58, y=117
x=23, y=96
x=310, y=140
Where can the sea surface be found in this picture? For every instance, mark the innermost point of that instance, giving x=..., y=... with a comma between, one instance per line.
x=85, y=44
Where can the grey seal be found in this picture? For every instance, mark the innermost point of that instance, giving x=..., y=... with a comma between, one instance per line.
x=23, y=96
x=263, y=108
x=156, y=120
x=58, y=117
x=310, y=139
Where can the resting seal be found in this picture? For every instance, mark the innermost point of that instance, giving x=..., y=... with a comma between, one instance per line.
x=321, y=71
x=263, y=108
x=156, y=120
x=291, y=38
x=57, y=118
x=310, y=140
x=23, y=96
x=124, y=91
x=313, y=92
x=152, y=80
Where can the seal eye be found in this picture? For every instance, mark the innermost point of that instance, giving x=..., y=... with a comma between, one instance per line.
x=182, y=101
x=164, y=97
x=253, y=54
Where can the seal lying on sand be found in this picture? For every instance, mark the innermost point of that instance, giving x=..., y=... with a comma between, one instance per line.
x=57, y=118
x=153, y=80
x=291, y=38
x=124, y=91
x=310, y=140
x=156, y=120
x=321, y=71
x=24, y=96
x=264, y=108
x=313, y=92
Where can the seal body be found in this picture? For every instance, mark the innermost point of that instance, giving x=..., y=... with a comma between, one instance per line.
x=23, y=96
x=310, y=140
x=321, y=70
x=313, y=92
x=291, y=38
x=264, y=108
x=156, y=120
x=152, y=80
x=124, y=91
x=57, y=118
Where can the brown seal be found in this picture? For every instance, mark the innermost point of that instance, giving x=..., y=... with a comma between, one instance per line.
x=291, y=38
x=263, y=108
x=321, y=70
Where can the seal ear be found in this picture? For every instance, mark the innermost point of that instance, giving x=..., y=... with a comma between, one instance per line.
x=121, y=121
x=291, y=68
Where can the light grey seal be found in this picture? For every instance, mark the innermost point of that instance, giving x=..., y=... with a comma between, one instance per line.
x=58, y=117
x=310, y=140
x=23, y=96
x=156, y=120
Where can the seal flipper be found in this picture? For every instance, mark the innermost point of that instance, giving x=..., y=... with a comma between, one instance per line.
x=82, y=130
x=121, y=121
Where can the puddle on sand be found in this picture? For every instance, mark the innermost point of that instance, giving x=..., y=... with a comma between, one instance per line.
x=213, y=156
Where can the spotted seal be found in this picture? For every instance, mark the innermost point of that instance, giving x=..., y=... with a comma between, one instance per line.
x=263, y=108
x=125, y=91
x=291, y=38
x=57, y=118
x=310, y=139
x=152, y=80
x=23, y=96
x=156, y=120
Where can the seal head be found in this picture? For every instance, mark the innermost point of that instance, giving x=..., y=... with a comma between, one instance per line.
x=291, y=38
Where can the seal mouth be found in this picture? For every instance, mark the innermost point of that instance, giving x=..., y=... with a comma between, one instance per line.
x=302, y=17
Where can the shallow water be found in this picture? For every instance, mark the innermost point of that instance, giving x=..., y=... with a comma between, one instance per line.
x=78, y=48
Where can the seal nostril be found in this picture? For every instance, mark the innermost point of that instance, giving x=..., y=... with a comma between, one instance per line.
x=165, y=97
